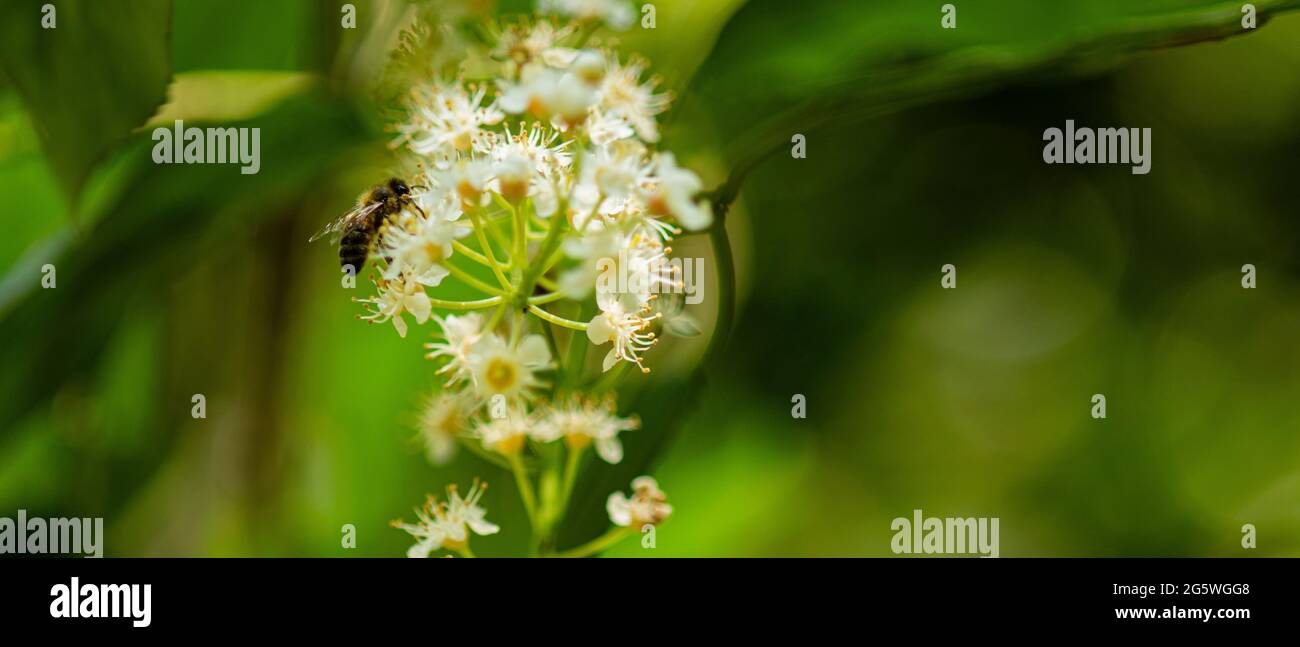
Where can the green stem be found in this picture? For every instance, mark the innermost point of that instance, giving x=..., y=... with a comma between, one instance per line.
x=556, y=319
x=465, y=552
x=549, y=512
x=525, y=488
x=518, y=220
x=470, y=253
x=578, y=344
x=725, y=266
x=550, y=262
x=489, y=221
x=555, y=348
x=587, y=30
x=545, y=298
x=571, y=464
x=542, y=262
x=487, y=248
x=601, y=543
x=496, y=317
x=477, y=449
x=500, y=240
x=466, y=305
x=470, y=280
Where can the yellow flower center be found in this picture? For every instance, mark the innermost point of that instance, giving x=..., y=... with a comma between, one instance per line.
x=500, y=375
x=449, y=425
x=536, y=107
x=657, y=205
x=577, y=441
x=513, y=190
x=511, y=445
x=468, y=192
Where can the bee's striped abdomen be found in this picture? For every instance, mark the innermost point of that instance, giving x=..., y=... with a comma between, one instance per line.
x=354, y=248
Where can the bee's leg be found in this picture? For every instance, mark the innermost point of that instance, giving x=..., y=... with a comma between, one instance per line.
x=423, y=215
x=420, y=165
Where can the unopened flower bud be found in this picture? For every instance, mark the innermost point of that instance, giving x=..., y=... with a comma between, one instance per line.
x=589, y=66
x=514, y=173
x=573, y=99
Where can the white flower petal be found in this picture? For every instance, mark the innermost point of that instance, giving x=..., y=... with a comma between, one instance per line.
x=619, y=509
x=694, y=216
x=534, y=352
x=599, y=331
x=483, y=527
x=610, y=450
x=425, y=546
x=645, y=483
x=418, y=305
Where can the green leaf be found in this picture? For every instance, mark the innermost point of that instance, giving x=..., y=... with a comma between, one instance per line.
x=27, y=182
x=87, y=82
x=777, y=71
x=165, y=217
x=280, y=35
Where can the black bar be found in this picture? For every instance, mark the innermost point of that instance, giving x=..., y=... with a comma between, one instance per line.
x=391, y=596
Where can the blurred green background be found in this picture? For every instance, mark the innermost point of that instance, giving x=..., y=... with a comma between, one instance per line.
x=924, y=148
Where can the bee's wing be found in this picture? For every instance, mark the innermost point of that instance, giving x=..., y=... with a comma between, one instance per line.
x=333, y=229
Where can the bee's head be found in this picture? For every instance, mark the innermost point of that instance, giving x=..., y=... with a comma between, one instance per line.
x=399, y=188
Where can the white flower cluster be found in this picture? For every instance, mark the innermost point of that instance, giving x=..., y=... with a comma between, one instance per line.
x=647, y=505
x=550, y=166
x=446, y=525
x=492, y=391
x=537, y=181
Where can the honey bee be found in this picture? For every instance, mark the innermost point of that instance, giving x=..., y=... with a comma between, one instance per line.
x=357, y=230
